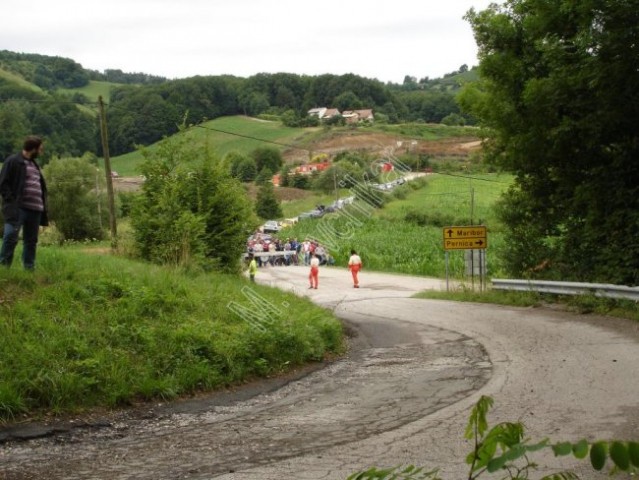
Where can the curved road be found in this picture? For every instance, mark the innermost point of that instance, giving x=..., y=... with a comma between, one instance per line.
x=401, y=396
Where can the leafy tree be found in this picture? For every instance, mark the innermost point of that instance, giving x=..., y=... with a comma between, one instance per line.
x=76, y=195
x=67, y=130
x=265, y=176
x=13, y=127
x=559, y=103
x=347, y=101
x=190, y=212
x=139, y=117
x=254, y=103
x=453, y=119
x=241, y=166
x=301, y=181
x=290, y=118
x=285, y=98
x=267, y=157
x=285, y=176
x=335, y=120
x=340, y=175
x=267, y=205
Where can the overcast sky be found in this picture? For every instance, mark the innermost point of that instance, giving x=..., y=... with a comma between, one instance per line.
x=181, y=38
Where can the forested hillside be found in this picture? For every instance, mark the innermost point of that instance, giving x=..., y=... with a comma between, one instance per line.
x=41, y=95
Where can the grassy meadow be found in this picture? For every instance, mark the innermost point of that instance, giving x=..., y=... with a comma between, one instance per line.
x=18, y=80
x=92, y=330
x=243, y=132
x=426, y=131
x=93, y=90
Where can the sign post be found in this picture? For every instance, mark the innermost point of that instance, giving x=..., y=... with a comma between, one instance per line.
x=472, y=237
x=465, y=238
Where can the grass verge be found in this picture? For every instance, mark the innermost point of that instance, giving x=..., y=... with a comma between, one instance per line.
x=88, y=330
x=583, y=304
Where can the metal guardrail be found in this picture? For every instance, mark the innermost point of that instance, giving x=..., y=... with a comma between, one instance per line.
x=568, y=288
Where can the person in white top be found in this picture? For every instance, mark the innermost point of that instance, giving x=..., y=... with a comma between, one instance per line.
x=355, y=265
x=313, y=276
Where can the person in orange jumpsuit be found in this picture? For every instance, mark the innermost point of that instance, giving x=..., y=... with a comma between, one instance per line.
x=355, y=265
x=313, y=277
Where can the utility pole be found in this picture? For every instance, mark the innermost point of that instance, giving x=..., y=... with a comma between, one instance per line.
x=107, y=170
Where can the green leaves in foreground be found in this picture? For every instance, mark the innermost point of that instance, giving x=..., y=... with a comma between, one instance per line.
x=397, y=473
x=503, y=450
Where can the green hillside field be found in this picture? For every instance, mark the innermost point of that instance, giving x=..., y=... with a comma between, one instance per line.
x=18, y=80
x=93, y=90
x=226, y=134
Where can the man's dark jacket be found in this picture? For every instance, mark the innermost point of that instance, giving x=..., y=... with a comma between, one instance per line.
x=12, y=178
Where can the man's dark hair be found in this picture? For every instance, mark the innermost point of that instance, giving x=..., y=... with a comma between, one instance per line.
x=32, y=143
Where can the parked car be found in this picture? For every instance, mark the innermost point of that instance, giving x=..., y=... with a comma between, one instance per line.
x=288, y=222
x=271, y=227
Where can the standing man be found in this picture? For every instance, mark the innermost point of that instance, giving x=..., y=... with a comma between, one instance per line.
x=24, y=202
x=355, y=265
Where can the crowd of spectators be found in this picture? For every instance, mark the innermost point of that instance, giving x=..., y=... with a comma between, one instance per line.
x=265, y=248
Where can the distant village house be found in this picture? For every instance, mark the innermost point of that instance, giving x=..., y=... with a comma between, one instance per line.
x=356, y=116
x=306, y=169
x=351, y=116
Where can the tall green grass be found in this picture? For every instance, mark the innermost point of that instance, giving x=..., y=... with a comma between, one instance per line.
x=87, y=330
x=406, y=235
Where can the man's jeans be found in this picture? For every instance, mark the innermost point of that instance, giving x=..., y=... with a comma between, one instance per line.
x=29, y=222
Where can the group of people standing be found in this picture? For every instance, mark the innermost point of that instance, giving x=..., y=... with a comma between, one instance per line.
x=354, y=265
x=292, y=251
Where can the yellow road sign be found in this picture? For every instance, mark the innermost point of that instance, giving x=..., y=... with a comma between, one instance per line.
x=465, y=238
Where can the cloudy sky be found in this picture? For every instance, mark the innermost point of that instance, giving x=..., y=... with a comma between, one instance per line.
x=182, y=38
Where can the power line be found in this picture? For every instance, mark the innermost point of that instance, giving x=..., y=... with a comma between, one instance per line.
x=46, y=100
x=253, y=138
x=468, y=177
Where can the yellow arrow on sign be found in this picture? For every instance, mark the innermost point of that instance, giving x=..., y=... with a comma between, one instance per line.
x=478, y=231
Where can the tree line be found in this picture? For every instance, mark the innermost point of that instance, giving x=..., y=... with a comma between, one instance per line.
x=144, y=108
x=143, y=115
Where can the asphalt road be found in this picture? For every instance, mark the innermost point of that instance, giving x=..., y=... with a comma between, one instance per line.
x=401, y=396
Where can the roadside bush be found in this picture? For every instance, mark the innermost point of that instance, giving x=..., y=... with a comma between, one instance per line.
x=190, y=212
x=76, y=191
x=125, y=201
x=432, y=219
